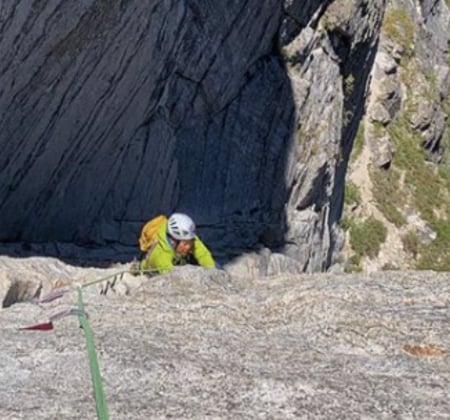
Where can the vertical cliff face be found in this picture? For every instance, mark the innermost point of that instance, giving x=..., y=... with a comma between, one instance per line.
x=242, y=114
x=398, y=178
x=329, y=58
x=111, y=114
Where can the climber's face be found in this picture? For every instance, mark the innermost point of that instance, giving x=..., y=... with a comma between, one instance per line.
x=184, y=248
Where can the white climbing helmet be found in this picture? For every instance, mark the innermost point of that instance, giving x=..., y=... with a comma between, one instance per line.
x=181, y=227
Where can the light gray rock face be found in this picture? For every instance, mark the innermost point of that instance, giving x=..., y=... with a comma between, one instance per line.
x=329, y=62
x=386, y=98
x=203, y=343
x=425, y=38
x=242, y=114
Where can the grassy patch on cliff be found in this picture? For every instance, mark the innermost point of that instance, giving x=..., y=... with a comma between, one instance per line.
x=415, y=183
x=436, y=256
x=358, y=143
x=352, y=196
x=423, y=181
x=412, y=181
x=427, y=188
x=388, y=194
x=399, y=27
x=366, y=237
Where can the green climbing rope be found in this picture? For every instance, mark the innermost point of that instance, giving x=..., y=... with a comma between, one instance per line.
x=100, y=401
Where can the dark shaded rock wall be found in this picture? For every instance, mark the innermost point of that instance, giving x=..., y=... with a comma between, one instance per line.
x=111, y=112
x=241, y=113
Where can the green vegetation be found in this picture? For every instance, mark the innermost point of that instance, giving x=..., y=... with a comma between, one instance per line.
x=358, y=144
x=436, y=256
x=345, y=223
x=425, y=187
x=411, y=242
x=399, y=27
x=349, y=84
x=445, y=167
x=347, y=117
x=354, y=264
x=379, y=130
x=352, y=196
x=388, y=194
x=422, y=179
x=422, y=84
x=411, y=181
x=366, y=237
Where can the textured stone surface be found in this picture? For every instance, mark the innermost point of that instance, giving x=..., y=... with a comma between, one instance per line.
x=111, y=113
x=206, y=344
x=406, y=111
x=241, y=113
x=429, y=25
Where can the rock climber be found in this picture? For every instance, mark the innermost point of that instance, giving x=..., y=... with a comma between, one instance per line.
x=174, y=242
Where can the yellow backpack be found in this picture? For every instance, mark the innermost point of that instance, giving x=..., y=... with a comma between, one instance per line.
x=148, y=233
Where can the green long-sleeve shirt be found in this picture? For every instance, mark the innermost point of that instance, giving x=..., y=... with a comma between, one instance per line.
x=162, y=256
